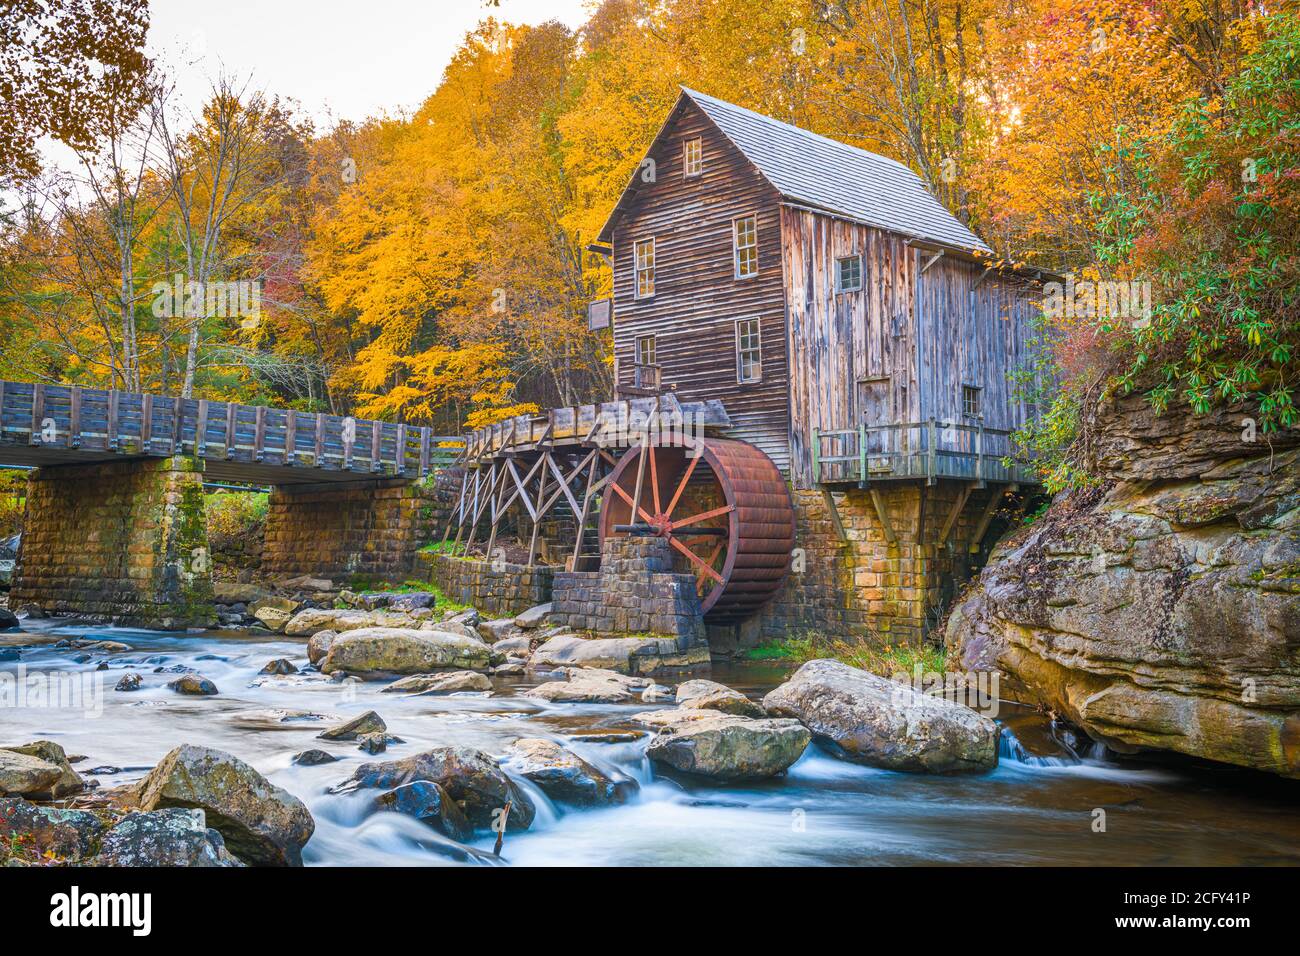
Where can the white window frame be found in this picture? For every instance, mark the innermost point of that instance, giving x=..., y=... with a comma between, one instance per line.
x=736, y=247
x=637, y=354
x=756, y=349
x=689, y=172
x=839, y=287
x=638, y=268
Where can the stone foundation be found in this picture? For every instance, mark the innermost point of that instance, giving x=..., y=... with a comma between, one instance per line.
x=124, y=541
x=635, y=592
x=371, y=529
x=492, y=587
x=859, y=585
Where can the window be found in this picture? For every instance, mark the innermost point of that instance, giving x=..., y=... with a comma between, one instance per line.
x=749, y=357
x=848, y=274
x=745, y=239
x=692, y=157
x=970, y=401
x=645, y=268
x=645, y=350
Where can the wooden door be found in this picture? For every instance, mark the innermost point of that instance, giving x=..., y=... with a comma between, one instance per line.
x=875, y=410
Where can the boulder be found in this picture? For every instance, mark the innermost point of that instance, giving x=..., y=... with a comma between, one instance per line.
x=263, y=825
x=193, y=684
x=413, y=601
x=723, y=747
x=513, y=646
x=374, y=743
x=313, y=620
x=1161, y=611
x=472, y=778
x=68, y=782
x=884, y=723
x=230, y=592
x=429, y=803
x=367, y=723
x=130, y=681
x=171, y=837
x=451, y=627
x=534, y=616
x=628, y=655
x=564, y=776
x=70, y=835
x=387, y=650
x=497, y=630
x=318, y=647
x=21, y=775
x=305, y=582
x=710, y=695
x=590, y=686
x=440, y=683
x=8, y=619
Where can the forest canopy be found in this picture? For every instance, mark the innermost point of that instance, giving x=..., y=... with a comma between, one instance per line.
x=433, y=268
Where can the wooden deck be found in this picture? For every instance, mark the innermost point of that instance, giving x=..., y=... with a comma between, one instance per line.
x=51, y=425
x=908, y=451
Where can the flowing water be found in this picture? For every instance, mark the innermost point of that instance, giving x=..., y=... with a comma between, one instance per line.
x=1039, y=807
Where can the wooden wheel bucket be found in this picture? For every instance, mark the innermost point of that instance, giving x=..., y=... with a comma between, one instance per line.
x=722, y=505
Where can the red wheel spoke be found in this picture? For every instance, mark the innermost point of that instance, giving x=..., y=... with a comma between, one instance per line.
x=618, y=489
x=681, y=485
x=703, y=516
x=695, y=558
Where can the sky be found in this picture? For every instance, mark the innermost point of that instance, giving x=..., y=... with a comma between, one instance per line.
x=339, y=59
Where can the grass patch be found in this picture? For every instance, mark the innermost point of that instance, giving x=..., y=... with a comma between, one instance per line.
x=363, y=583
x=862, y=652
x=234, y=514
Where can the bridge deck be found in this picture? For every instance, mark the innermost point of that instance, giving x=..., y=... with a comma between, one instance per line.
x=52, y=424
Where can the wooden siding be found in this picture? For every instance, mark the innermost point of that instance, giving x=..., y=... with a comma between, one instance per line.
x=697, y=298
x=899, y=349
x=842, y=343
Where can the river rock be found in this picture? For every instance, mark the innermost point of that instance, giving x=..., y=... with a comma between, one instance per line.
x=710, y=695
x=21, y=775
x=374, y=743
x=313, y=758
x=386, y=650
x=273, y=618
x=1159, y=610
x=231, y=592
x=563, y=775
x=68, y=782
x=429, y=803
x=193, y=684
x=590, y=686
x=280, y=667
x=499, y=629
x=70, y=835
x=884, y=723
x=725, y=747
x=472, y=778
x=263, y=825
x=367, y=723
x=130, y=681
x=318, y=647
x=171, y=837
x=8, y=619
x=313, y=620
x=513, y=646
x=440, y=683
x=534, y=616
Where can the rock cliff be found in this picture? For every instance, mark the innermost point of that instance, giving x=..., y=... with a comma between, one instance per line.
x=1161, y=609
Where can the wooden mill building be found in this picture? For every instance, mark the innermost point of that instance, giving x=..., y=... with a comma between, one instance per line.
x=824, y=305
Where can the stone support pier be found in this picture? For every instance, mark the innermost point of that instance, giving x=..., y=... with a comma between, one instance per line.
x=124, y=541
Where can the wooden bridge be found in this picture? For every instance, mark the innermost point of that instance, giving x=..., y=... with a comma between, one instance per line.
x=59, y=425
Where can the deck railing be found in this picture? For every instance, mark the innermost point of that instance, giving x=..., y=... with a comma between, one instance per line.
x=908, y=450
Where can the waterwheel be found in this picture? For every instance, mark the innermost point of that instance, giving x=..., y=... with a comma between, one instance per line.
x=722, y=505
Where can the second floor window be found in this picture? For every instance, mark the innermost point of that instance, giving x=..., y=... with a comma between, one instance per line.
x=848, y=274
x=749, y=351
x=692, y=157
x=745, y=242
x=970, y=401
x=645, y=268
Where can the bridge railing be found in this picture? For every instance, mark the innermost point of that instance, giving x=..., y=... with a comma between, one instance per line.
x=910, y=450
x=71, y=423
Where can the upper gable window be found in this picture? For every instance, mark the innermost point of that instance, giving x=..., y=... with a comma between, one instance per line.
x=645, y=268
x=692, y=157
x=745, y=245
x=848, y=274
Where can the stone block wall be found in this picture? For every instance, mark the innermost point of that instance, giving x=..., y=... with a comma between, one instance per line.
x=370, y=529
x=860, y=585
x=493, y=587
x=124, y=541
x=636, y=591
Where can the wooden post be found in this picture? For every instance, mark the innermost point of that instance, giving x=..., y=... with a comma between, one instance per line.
x=290, y=437
x=38, y=412
x=2, y=410
x=201, y=430
x=931, y=456
x=425, y=440
x=74, y=419
x=146, y=423
x=979, y=455
x=376, y=438
x=319, y=450
x=862, y=453
x=232, y=420
x=401, y=449
x=111, y=424
x=537, y=515
x=178, y=425
x=883, y=515
x=259, y=433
